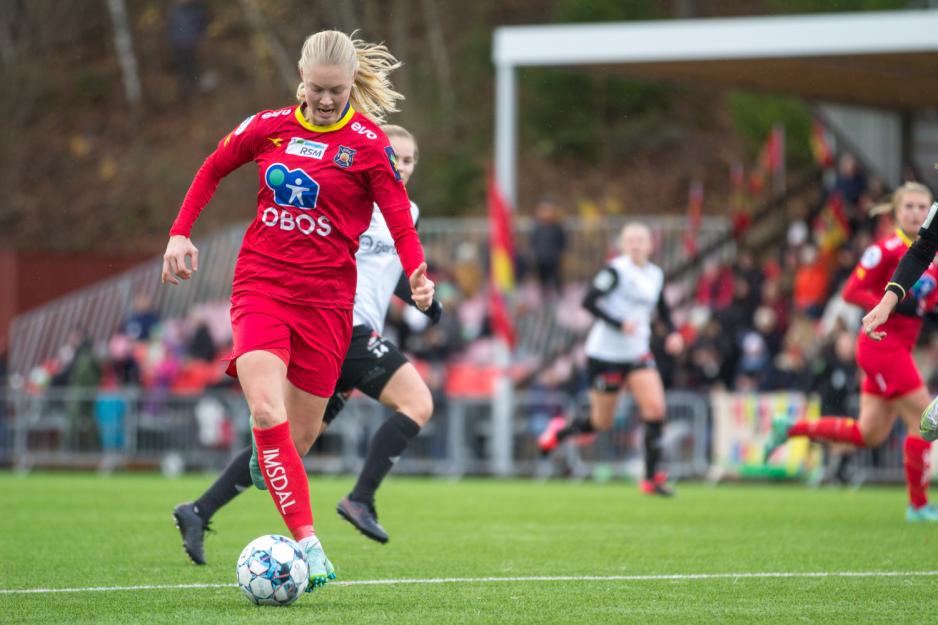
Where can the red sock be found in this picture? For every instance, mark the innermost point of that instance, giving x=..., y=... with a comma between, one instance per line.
x=917, y=463
x=831, y=429
x=285, y=478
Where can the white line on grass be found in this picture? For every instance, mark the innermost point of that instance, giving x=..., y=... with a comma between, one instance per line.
x=489, y=580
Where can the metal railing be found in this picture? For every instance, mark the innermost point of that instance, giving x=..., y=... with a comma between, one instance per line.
x=129, y=428
x=114, y=430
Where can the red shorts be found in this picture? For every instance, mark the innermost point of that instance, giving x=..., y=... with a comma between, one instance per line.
x=890, y=371
x=311, y=341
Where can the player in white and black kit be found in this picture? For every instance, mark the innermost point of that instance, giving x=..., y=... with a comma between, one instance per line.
x=373, y=365
x=623, y=297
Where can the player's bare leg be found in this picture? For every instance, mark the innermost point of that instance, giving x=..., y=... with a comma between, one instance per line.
x=648, y=391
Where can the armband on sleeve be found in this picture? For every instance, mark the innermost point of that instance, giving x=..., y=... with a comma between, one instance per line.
x=913, y=263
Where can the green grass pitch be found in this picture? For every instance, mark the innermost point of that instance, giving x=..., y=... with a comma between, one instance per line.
x=80, y=531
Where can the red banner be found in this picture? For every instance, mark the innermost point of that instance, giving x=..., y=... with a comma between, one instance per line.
x=694, y=212
x=770, y=160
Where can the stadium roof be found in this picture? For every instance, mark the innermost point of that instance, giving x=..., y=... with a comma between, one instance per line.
x=880, y=59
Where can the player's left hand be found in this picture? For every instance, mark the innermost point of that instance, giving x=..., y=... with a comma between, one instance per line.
x=421, y=287
x=674, y=343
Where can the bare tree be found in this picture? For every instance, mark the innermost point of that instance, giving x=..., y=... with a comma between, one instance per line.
x=440, y=57
x=400, y=41
x=348, y=16
x=7, y=49
x=123, y=41
x=285, y=65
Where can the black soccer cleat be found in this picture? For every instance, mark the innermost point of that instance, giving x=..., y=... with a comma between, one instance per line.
x=363, y=517
x=193, y=529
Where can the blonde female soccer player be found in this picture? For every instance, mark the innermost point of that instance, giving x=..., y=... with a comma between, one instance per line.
x=322, y=166
x=373, y=365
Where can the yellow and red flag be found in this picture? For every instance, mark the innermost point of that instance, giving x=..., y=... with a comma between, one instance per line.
x=821, y=145
x=831, y=227
x=502, y=251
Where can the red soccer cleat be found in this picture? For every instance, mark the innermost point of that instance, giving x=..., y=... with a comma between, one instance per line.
x=658, y=486
x=547, y=441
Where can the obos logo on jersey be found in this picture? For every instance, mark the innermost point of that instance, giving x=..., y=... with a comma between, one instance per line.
x=292, y=187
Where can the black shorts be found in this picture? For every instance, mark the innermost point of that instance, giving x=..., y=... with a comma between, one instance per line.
x=370, y=362
x=608, y=377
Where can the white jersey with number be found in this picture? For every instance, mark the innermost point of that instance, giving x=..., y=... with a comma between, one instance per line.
x=631, y=294
x=379, y=270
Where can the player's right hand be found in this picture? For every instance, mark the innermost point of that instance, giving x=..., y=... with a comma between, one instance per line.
x=175, y=266
x=876, y=318
x=628, y=327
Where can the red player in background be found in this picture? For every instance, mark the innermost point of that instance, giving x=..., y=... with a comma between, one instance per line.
x=892, y=384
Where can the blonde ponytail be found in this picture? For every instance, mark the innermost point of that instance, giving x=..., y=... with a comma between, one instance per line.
x=372, y=92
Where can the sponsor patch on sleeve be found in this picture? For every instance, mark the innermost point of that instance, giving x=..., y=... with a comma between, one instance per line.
x=244, y=124
x=604, y=280
x=871, y=257
x=392, y=158
x=931, y=216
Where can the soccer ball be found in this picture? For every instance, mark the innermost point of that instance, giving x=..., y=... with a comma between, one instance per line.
x=272, y=570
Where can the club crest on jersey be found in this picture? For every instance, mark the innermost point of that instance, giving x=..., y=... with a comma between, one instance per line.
x=392, y=158
x=344, y=157
x=292, y=187
x=304, y=147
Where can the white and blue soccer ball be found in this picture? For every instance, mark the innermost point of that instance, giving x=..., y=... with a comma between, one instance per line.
x=272, y=570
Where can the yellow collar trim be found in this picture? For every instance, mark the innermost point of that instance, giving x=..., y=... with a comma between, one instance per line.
x=339, y=124
x=902, y=235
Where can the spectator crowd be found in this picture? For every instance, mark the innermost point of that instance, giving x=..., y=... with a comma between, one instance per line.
x=766, y=322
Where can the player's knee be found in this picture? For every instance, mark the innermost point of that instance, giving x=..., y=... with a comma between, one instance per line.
x=265, y=413
x=304, y=441
x=653, y=412
x=873, y=435
x=419, y=407
x=601, y=423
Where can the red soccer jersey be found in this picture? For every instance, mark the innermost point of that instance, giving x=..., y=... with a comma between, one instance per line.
x=866, y=286
x=318, y=187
